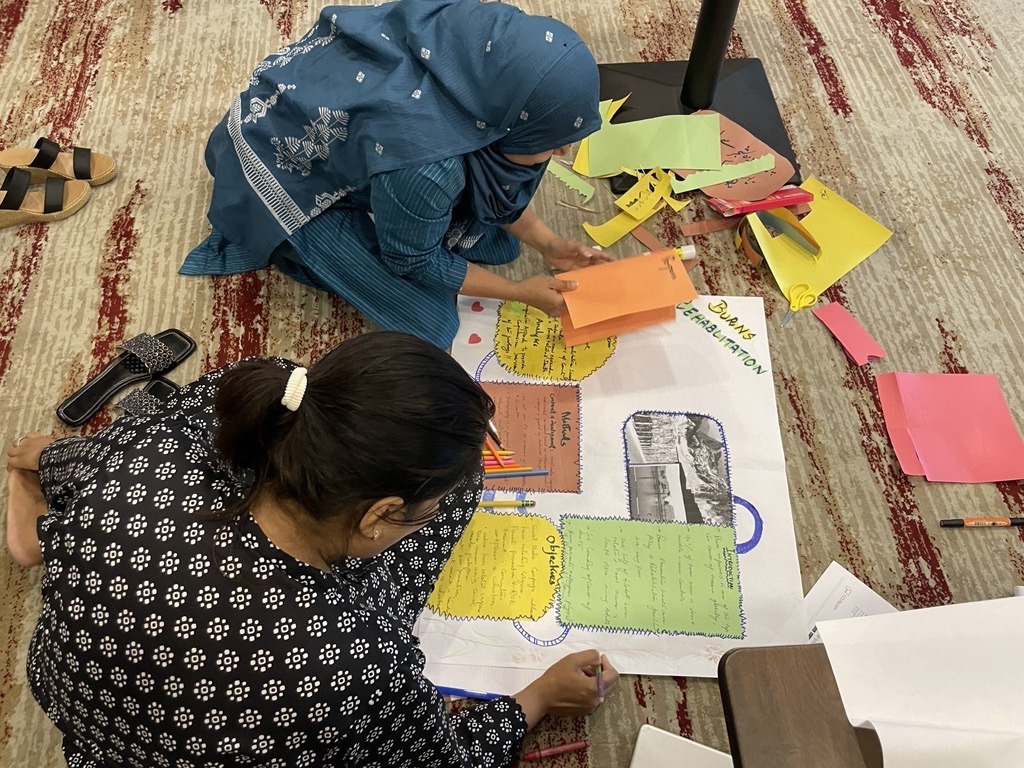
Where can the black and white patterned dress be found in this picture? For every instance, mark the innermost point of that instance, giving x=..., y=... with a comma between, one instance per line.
x=167, y=640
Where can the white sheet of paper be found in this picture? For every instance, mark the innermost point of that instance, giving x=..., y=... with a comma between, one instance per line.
x=923, y=746
x=941, y=686
x=657, y=747
x=504, y=681
x=838, y=594
x=712, y=362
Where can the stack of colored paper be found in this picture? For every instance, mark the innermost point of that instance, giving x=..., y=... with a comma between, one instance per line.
x=951, y=427
x=624, y=295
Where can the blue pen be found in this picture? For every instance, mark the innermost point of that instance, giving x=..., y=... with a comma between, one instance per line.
x=449, y=691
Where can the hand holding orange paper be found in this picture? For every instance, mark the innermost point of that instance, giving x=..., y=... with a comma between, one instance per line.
x=624, y=295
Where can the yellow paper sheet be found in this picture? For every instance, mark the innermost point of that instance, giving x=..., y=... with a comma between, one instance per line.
x=504, y=567
x=642, y=198
x=582, y=162
x=617, y=227
x=845, y=233
x=518, y=351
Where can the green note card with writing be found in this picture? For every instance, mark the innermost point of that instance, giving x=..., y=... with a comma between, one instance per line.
x=645, y=576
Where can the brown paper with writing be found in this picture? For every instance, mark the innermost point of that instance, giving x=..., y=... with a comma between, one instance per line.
x=738, y=146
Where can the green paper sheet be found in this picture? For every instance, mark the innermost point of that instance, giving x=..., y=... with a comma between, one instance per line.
x=670, y=141
x=637, y=575
x=699, y=179
x=571, y=180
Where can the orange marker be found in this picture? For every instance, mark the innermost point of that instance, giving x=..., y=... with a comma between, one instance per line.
x=982, y=522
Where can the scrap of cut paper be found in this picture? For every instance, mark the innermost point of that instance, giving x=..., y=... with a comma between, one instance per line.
x=680, y=153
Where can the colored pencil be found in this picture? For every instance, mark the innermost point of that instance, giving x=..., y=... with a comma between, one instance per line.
x=508, y=468
x=507, y=503
x=499, y=475
x=494, y=433
x=493, y=449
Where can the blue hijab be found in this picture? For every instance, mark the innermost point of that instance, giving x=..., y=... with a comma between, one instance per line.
x=375, y=89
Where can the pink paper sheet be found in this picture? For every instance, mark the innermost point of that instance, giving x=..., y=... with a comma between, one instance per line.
x=958, y=426
x=849, y=332
x=896, y=424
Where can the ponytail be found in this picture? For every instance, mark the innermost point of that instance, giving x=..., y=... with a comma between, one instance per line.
x=383, y=414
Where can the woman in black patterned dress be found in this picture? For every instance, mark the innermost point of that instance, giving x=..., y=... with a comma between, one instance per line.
x=233, y=580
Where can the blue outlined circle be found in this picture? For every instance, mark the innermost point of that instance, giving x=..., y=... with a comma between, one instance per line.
x=485, y=361
x=537, y=641
x=743, y=547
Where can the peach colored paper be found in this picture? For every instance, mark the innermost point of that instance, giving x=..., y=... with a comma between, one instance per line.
x=856, y=341
x=627, y=286
x=738, y=146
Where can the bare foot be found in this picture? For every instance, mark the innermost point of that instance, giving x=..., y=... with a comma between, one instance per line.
x=25, y=505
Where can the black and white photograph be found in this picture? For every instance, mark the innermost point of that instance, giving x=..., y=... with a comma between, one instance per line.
x=677, y=468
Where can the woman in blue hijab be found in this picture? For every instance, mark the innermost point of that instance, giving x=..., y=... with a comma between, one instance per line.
x=394, y=149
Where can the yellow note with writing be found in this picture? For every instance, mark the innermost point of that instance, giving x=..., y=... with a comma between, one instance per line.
x=504, y=567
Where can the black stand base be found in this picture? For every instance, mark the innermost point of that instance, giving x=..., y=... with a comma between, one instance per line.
x=743, y=95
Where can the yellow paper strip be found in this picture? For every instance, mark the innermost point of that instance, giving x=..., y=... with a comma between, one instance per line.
x=642, y=197
x=617, y=227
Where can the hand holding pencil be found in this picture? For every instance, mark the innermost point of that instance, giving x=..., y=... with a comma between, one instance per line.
x=575, y=685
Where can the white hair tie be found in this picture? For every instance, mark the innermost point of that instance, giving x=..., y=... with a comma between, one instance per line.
x=294, y=389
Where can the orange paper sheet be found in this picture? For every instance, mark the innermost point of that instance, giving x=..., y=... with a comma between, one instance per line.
x=628, y=286
x=614, y=327
x=951, y=427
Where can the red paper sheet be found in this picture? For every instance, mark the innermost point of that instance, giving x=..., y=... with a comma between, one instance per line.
x=958, y=425
x=851, y=334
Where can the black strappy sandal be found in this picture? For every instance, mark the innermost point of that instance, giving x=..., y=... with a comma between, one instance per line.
x=58, y=200
x=46, y=160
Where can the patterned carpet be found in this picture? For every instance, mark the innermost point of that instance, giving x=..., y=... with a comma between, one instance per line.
x=908, y=109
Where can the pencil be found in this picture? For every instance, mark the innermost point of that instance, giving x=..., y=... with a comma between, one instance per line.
x=494, y=433
x=516, y=473
x=508, y=468
x=494, y=451
x=506, y=503
x=487, y=452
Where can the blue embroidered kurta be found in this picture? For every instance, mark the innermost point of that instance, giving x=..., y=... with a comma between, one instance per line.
x=402, y=270
x=373, y=110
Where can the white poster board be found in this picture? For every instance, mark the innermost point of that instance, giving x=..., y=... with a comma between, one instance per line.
x=674, y=540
